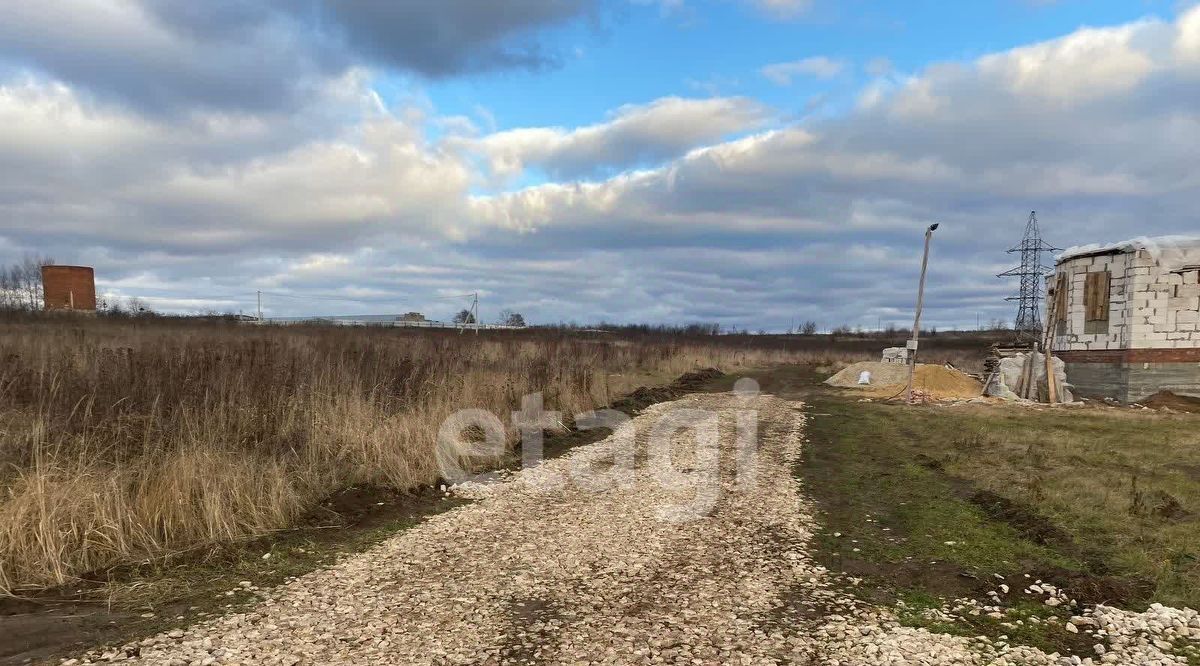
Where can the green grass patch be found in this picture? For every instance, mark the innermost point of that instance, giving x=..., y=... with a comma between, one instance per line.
x=895, y=506
x=930, y=503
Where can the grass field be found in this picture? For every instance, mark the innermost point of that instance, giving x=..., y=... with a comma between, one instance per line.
x=930, y=503
x=127, y=439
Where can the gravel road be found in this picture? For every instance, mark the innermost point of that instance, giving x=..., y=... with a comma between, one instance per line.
x=656, y=569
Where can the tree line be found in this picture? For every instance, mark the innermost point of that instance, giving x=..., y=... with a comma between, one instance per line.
x=21, y=284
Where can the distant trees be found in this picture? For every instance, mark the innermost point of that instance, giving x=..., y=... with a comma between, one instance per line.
x=809, y=328
x=695, y=329
x=510, y=318
x=464, y=316
x=21, y=284
x=131, y=307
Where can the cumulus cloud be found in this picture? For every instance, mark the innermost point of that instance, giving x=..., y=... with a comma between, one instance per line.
x=1095, y=129
x=1092, y=63
x=174, y=55
x=168, y=55
x=669, y=211
x=101, y=175
x=821, y=67
x=453, y=36
x=635, y=135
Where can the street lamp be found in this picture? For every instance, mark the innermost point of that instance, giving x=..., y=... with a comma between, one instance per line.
x=916, y=331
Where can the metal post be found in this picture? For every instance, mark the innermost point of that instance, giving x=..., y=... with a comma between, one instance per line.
x=916, y=332
x=260, y=306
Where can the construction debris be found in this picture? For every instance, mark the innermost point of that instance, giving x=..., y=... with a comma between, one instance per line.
x=1013, y=377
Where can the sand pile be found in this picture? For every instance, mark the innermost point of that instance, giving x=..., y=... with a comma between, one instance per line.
x=1169, y=400
x=887, y=379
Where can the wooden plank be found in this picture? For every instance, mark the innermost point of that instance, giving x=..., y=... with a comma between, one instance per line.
x=1047, y=347
x=1096, y=296
x=1060, y=297
x=1103, y=284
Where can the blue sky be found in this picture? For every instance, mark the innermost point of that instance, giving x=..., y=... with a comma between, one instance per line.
x=750, y=162
x=644, y=51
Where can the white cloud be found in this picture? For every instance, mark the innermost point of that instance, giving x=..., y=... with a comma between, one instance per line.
x=1089, y=64
x=821, y=67
x=173, y=56
x=1097, y=128
x=666, y=211
x=776, y=9
x=635, y=135
x=1187, y=40
x=214, y=183
x=782, y=9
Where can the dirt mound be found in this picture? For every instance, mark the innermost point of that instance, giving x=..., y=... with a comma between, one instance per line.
x=1168, y=400
x=643, y=397
x=937, y=382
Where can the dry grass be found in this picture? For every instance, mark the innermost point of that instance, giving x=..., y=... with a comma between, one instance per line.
x=123, y=440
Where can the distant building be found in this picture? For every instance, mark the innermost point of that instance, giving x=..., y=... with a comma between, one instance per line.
x=411, y=316
x=1126, y=317
x=69, y=288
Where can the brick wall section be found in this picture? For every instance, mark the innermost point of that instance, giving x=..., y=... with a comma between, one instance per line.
x=1132, y=356
x=1150, y=306
x=64, y=285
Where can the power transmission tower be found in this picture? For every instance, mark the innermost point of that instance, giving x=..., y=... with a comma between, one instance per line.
x=1029, y=319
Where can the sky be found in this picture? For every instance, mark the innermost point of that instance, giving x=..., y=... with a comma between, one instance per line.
x=754, y=163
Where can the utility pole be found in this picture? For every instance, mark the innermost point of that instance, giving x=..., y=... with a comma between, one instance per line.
x=916, y=332
x=260, y=306
x=472, y=313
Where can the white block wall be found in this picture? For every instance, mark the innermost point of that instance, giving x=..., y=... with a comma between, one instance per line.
x=1150, y=306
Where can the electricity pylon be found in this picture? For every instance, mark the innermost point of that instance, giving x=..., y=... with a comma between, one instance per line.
x=1031, y=270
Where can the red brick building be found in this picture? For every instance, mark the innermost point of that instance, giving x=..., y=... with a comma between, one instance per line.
x=69, y=288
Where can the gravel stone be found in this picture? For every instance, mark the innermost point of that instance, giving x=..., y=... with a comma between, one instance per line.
x=583, y=572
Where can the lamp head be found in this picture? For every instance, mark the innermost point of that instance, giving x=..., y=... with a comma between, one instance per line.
x=934, y=226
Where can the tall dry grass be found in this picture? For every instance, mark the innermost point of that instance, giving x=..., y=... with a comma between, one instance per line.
x=122, y=440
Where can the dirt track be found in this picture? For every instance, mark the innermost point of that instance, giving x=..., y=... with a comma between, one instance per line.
x=652, y=570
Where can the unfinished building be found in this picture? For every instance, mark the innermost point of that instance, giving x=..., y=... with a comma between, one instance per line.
x=1127, y=317
x=69, y=288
